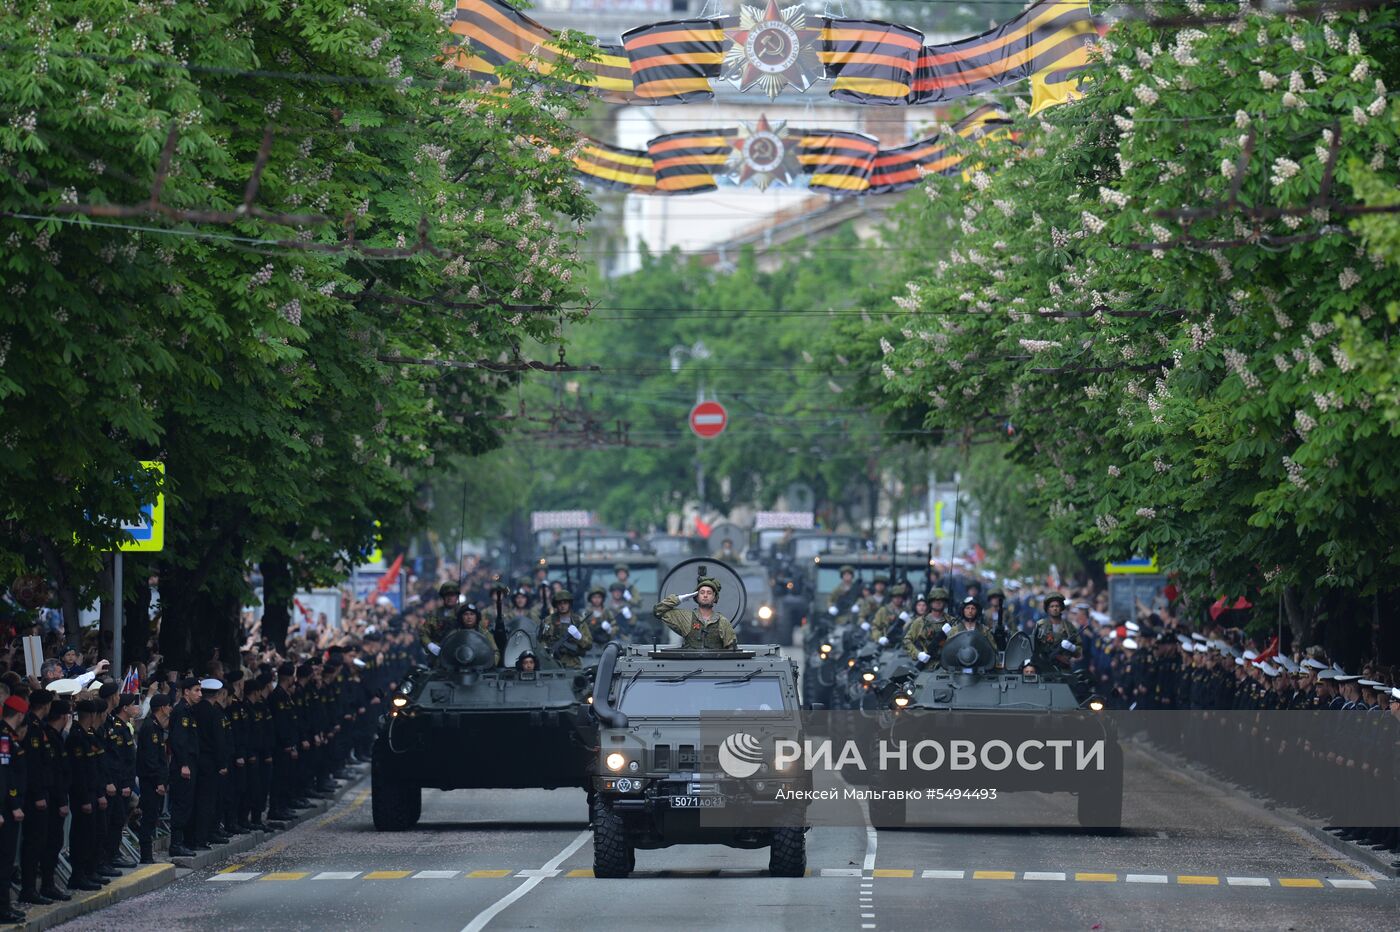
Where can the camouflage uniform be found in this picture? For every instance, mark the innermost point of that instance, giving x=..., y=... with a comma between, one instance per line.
x=886, y=618
x=695, y=632
x=554, y=630
x=924, y=635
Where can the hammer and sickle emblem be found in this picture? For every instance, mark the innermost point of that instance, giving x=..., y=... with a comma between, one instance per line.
x=773, y=43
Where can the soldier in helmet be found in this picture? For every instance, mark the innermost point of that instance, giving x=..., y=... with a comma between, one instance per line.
x=841, y=594
x=702, y=627
x=561, y=634
x=1000, y=617
x=971, y=619
x=1052, y=630
x=888, y=624
x=938, y=607
x=624, y=576
x=601, y=621
x=872, y=603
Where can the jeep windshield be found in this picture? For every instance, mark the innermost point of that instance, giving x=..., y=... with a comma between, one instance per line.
x=693, y=695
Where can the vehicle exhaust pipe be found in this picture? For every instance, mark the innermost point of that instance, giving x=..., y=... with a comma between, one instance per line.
x=602, y=685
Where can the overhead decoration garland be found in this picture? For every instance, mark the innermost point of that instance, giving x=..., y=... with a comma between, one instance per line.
x=772, y=49
x=763, y=154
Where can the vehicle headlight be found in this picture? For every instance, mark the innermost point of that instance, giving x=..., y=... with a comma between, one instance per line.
x=765, y=613
x=901, y=701
x=826, y=648
x=851, y=662
x=615, y=761
x=868, y=676
x=400, y=701
x=1096, y=703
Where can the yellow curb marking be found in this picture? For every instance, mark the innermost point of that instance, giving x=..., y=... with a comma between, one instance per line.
x=1299, y=882
x=232, y=868
x=387, y=875
x=1196, y=880
x=285, y=875
x=1096, y=878
x=582, y=872
x=892, y=872
x=993, y=875
x=489, y=874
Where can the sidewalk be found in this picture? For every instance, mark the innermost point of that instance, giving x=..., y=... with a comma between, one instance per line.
x=150, y=877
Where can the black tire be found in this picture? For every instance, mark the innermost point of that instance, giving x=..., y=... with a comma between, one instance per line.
x=887, y=813
x=787, y=855
x=612, y=855
x=395, y=806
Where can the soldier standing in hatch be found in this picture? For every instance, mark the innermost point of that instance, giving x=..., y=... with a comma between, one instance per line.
x=1050, y=631
x=702, y=628
x=838, y=595
x=889, y=621
x=562, y=636
x=601, y=622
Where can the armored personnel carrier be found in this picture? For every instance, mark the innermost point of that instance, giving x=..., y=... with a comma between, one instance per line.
x=969, y=696
x=469, y=724
x=685, y=755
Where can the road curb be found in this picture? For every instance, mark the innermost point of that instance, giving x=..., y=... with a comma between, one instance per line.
x=241, y=843
x=144, y=879
x=1345, y=848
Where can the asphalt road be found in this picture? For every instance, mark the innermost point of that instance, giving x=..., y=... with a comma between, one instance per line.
x=520, y=859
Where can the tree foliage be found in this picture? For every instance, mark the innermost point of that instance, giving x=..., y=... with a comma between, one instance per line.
x=253, y=354
x=1230, y=405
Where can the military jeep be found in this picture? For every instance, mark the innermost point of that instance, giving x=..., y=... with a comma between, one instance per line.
x=665, y=772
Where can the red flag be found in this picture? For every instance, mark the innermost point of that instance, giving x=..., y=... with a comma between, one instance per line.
x=702, y=528
x=1269, y=651
x=388, y=578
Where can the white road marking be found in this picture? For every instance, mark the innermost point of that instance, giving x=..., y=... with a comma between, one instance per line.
x=435, y=875
x=1146, y=878
x=1247, y=881
x=944, y=875
x=236, y=876
x=336, y=875
x=490, y=912
x=544, y=874
x=1353, y=884
x=1043, y=875
x=840, y=872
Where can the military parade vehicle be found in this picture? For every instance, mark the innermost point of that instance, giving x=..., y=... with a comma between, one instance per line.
x=470, y=724
x=660, y=781
x=975, y=693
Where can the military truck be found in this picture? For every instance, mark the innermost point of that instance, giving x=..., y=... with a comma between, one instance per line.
x=972, y=691
x=660, y=779
x=468, y=724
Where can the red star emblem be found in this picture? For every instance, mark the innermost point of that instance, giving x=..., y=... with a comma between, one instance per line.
x=772, y=48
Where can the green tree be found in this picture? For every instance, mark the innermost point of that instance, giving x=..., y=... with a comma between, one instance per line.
x=294, y=387
x=1218, y=400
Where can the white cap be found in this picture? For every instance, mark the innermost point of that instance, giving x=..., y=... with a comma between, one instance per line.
x=1129, y=644
x=1197, y=636
x=1100, y=618
x=65, y=687
x=1327, y=674
x=358, y=662
x=1288, y=664
x=384, y=600
x=1132, y=626
x=210, y=683
x=1395, y=693
x=1239, y=661
x=1312, y=664
x=1269, y=669
x=1369, y=683
x=1251, y=655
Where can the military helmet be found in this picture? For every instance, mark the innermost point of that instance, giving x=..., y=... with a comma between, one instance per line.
x=1053, y=597
x=617, y=586
x=708, y=581
x=598, y=591
x=563, y=595
x=996, y=593
x=621, y=566
x=901, y=589
x=885, y=580
x=449, y=588
x=938, y=592
x=847, y=568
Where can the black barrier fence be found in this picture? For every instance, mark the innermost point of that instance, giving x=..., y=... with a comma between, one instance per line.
x=1020, y=769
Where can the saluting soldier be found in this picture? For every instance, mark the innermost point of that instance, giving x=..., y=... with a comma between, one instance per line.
x=702, y=627
x=153, y=771
x=562, y=636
